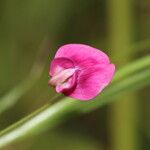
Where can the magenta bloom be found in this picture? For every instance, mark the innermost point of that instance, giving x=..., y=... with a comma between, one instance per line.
x=80, y=71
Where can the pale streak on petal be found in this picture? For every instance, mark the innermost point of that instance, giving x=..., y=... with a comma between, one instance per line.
x=61, y=77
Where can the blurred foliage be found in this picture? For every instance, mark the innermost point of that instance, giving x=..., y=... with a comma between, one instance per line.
x=28, y=27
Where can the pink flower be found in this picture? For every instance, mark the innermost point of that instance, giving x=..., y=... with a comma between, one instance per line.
x=80, y=71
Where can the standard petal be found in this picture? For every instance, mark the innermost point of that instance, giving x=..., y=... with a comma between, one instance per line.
x=59, y=64
x=92, y=81
x=82, y=55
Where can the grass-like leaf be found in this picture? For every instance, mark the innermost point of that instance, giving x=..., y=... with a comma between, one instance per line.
x=50, y=115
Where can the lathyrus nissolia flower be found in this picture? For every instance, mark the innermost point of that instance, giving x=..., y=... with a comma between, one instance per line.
x=80, y=71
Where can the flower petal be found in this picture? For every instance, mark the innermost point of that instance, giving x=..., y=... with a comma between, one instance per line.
x=59, y=64
x=92, y=81
x=82, y=55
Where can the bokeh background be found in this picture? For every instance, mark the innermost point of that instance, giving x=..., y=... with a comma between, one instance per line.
x=31, y=32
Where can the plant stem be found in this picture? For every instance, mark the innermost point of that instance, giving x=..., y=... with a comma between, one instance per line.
x=123, y=116
x=134, y=67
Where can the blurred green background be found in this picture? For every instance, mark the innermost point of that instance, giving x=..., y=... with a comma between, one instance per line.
x=31, y=32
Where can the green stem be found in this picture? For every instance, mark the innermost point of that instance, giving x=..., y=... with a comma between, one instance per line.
x=123, y=128
x=45, y=117
x=49, y=116
x=134, y=67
